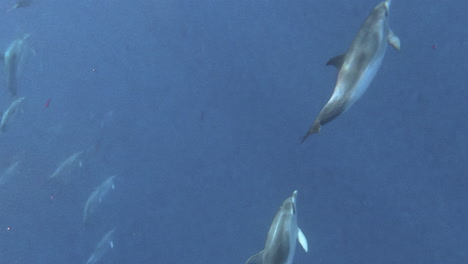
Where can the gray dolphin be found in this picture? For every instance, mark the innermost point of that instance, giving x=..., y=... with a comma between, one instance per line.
x=20, y=4
x=9, y=112
x=96, y=197
x=11, y=171
x=281, y=240
x=102, y=247
x=67, y=166
x=358, y=66
x=14, y=58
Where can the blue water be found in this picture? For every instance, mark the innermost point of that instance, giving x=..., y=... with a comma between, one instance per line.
x=199, y=108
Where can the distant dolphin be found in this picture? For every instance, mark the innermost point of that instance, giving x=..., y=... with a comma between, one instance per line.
x=281, y=240
x=13, y=59
x=9, y=113
x=9, y=172
x=96, y=197
x=21, y=4
x=67, y=166
x=102, y=247
x=358, y=66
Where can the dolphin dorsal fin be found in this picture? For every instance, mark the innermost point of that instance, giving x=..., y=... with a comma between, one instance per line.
x=256, y=259
x=302, y=240
x=336, y=61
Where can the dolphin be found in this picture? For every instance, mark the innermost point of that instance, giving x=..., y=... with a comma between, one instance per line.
x=13, y=58
x=9, y=173
x=6, y=116
x=20, y=4
x=96, y=197
x=358, y=66
x=102, y=247
x=67, y=166
x=281, y=240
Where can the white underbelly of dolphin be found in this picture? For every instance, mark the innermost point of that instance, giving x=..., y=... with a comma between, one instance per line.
x=366, y=79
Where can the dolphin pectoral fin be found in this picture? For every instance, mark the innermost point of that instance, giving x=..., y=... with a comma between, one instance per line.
x=394, y=40
x=336, y=61
x=302, y=240
x=256, y=259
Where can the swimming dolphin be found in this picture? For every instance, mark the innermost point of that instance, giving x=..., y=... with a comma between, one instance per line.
x=6, y=116
x=281, y=240
x=20, y=4
x=96, y=197
x=102, y=247
x=67, y=166
x=13, y=58
x=358, y=66
x=9, y=173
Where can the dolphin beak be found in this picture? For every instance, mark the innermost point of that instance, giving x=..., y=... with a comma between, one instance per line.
x=387, y=4
x=293, y=197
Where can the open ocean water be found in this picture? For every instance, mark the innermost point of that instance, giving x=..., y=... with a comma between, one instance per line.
x=198, y=109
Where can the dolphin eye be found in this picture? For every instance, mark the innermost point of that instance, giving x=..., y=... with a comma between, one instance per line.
x=386, y=12
x=293, y=209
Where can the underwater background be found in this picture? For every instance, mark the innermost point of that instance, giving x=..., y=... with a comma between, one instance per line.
x=199, y=108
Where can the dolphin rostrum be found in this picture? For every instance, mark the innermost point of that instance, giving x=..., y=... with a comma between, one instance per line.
x=281, y=240
x=358, y=66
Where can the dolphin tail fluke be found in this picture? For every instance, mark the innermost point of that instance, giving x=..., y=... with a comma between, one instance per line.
x=256, y=259
x=313, y=130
